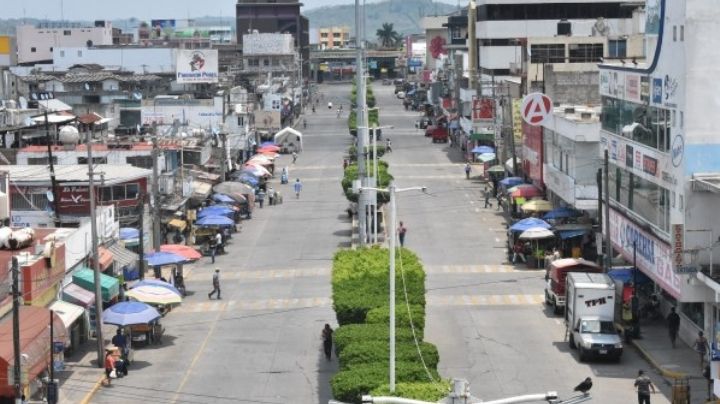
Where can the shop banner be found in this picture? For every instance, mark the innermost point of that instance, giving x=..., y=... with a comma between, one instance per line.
x=654, y=257
x=197, y=66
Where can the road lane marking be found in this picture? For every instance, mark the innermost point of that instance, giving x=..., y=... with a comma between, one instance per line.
x=485, y=300
x=468, y=269
x=263, y=274
x=252, y=304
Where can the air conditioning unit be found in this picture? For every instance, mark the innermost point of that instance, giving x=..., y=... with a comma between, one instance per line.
x=564, y=27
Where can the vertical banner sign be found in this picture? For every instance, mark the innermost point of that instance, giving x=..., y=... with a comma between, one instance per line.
x=677, y=233
x=483, y=109
x=536, y=108
x=197, y=66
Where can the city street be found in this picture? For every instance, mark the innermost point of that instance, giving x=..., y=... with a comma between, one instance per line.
x=261, y=342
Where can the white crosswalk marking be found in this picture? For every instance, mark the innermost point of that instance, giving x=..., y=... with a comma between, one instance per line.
x=484, y=300
x=200, y=275
x=464, y=269
x=258, y=304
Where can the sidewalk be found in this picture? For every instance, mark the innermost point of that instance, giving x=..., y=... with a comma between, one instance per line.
x=671, y=363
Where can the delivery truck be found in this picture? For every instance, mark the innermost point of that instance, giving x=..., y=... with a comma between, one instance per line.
x=555, y=279
x=590, y=316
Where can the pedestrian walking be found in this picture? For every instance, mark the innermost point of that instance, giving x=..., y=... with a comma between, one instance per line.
x=109, y=365
x=294, y=155
x=673, y=325
x=327, y=333
x=518, y=252
x=261, y=197
x=467, y=170
x=213, y=244
x=388, y=145
x=271, y=196
x=216, y=284
x=401, y=233
x=701, y=347
x=643, y=385
x=297, y=186
x=487, y=197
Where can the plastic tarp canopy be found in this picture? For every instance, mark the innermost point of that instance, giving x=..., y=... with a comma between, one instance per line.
x=109, y=286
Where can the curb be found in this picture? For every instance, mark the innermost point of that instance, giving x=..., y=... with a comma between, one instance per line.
x=665, y=372
x=353, y=227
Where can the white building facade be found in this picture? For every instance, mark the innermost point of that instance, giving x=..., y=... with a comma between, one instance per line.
x=37, y=43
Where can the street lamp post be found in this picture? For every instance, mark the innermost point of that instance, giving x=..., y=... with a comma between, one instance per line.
x=375, y=172
x=392, y=190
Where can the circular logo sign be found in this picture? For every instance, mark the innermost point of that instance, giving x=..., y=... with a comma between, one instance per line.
x=536, y=108
x=677, y=150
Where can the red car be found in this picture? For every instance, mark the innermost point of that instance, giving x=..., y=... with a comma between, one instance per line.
x=439, y=134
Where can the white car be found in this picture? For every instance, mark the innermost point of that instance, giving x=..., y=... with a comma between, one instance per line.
x=401, y=94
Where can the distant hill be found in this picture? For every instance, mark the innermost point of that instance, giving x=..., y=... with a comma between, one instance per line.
x=404, y=14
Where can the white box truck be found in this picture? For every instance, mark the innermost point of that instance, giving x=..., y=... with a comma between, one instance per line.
x=589, y=316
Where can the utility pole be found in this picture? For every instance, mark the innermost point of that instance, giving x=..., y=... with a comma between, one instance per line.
x=53, y=180
x=155, y=193
x=360, y=115
x=141, y=235
x=608, y=246
x=95, y=263
x=223, y=166
x=16, y=329
x=472, y=46
x=599, y=180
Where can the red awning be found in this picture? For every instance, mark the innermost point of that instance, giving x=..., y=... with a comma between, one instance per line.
x=34, y=342
x=77, y=295
x=105, y=257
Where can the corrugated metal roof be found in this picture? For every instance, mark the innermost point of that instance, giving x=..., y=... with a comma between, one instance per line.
x=112, y=173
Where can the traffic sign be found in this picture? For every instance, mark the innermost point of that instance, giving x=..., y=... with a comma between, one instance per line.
x=536, y=108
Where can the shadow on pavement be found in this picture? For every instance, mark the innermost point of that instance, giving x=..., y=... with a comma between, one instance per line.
x=326, y=370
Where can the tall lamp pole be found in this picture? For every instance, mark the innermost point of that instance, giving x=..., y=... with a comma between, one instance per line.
x=392, y=190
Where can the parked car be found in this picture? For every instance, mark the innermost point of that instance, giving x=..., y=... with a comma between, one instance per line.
x=439, y=134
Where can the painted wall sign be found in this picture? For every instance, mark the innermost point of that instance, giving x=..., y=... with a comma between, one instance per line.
x=657, y=91
x=677, y=235
x=632, y=87
x=677, y=150
x=670, y=89
x=654, y=257
x=197, y=66
x=536, y=108
x=650, y=165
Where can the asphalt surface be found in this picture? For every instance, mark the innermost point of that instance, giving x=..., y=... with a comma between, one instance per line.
x=261, y=342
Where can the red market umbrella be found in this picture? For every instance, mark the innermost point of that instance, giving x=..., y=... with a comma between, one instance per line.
x=525, y=192
x=270, y=148
x=182, y=250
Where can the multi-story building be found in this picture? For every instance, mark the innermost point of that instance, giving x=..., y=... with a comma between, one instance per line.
x=269, y=53
x=35, y=44
x=663, y=149
x=273, y=16
x=333, y=37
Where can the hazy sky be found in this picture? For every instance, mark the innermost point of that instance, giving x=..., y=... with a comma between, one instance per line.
x=142, y=9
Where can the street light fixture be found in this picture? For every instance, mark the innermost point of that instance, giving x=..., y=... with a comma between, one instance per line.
x=392, y=190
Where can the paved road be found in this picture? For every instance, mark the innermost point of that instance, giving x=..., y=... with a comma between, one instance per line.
x=261, y=342
x=486, y=316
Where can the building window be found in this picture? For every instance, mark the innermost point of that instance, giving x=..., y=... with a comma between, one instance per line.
x=67, y=32
x=323, y=35
x=695, y=312
x=33, y=49
x=674, y=33
x=79, y=53
x=456, y=33
x=62, y=53
x=140, y=161
x=585, y=52
x=337, y=44
x=40, y=161
x=95, y=160
x=682, y=33
x=644, y=124
x=336, y=35
x=26, y=201
x=551, y=53
x=642, y=197
x=121, y=192
x=266, y=62
x=241, y=120
x=617, y=48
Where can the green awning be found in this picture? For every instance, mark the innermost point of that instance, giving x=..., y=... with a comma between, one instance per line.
x=109, y=286
x=483, y=136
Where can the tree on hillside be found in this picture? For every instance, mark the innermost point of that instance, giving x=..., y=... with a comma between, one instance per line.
x=387, y=35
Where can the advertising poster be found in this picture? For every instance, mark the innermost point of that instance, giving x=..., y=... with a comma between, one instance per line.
x=197, y=66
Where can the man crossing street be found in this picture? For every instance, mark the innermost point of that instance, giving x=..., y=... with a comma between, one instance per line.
x=216, y=284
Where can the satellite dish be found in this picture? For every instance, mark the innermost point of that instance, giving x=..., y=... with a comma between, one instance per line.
x=34, y=96
x=50, y=196
x=23, y=102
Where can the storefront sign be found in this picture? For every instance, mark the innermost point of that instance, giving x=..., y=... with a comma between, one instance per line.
x=654, y=257
x=536, y=108
x=197, y=66
x=650, y=165
x=657, y=91
x=74, y=197
x=677, y=235
x=632, y=87
x=483, y=109
x=677, y=150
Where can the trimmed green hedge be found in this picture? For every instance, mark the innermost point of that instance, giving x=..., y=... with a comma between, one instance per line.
x=351, y=174
x=428, y=391
x=372, y=351
x=357, y=333
x=373, y=117
x=350, y=385
x=381, y=315
x=352, y=151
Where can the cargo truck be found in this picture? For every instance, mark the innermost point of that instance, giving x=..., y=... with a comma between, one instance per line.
x=555, y=279
x=590, y=316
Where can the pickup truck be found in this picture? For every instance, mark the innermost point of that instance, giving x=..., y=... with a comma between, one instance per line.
x=439, y=134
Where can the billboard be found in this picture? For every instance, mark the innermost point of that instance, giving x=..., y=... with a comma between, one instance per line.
x=162, y=24
x=197, y=66
x=483, y=109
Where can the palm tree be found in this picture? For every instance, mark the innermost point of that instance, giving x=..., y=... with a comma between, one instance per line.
x=387, y=35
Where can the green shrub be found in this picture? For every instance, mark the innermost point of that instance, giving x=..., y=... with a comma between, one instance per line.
x=352, y=151
x=378, y=351
x=351, y=174
x=373, y=117
x=346, y=335
x=427, y=391
x=381, y=315
x=349, y=385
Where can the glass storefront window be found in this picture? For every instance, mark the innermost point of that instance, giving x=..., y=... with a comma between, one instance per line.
x=644, y=198
x=639, y=122
x=695, y=312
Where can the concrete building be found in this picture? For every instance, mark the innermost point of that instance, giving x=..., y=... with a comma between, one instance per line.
x=333, y=37
x=269, y=53
x=436, y=40
x=658, y=128
x=36, y=43
x=275, y=16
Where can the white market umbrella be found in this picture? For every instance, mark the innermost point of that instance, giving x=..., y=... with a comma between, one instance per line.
x=536, y=233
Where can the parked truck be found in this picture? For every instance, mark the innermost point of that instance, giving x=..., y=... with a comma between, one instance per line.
x=555, y=279
x=590, y=316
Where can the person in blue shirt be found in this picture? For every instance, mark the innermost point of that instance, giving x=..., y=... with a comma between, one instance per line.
x=297, y=186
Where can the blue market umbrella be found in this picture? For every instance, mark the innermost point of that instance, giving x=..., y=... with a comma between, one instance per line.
x=215, y=221
x=222, y=198
x=561, y=213
x=215, y=210
x=164, y=258
x=511, y=181
x=130, y=313
x=627, y=275
x=128, y=233
x=529, y=223
x=483, y=150
x=157, y=282
x=263, y=144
